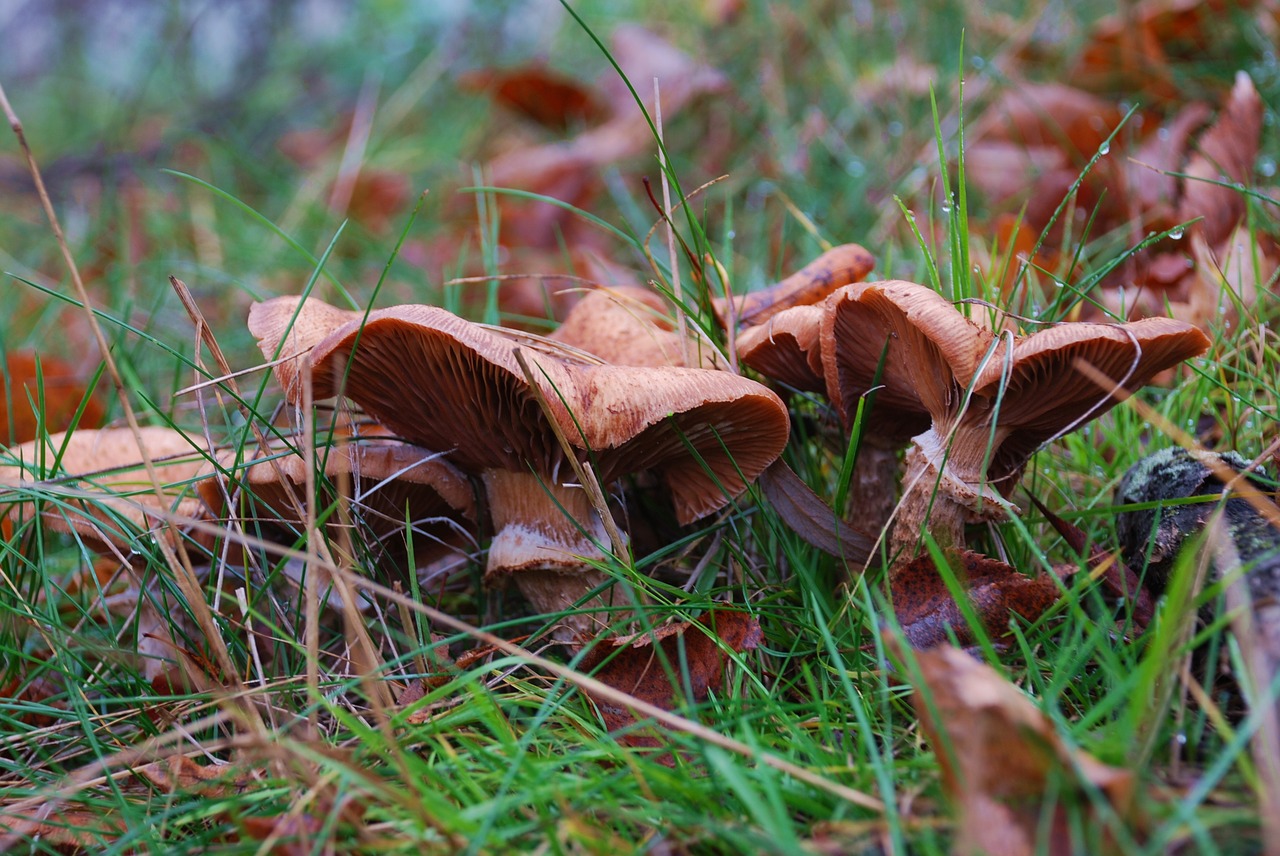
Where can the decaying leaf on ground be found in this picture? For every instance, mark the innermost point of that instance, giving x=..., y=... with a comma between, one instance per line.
x=692, y=654
x=1016, y=786
x=42, y=393
x=929, y=615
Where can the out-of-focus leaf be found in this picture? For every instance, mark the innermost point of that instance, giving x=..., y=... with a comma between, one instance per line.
x=1016, y=786
x=64, y=389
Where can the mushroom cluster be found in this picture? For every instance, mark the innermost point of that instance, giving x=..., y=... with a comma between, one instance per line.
x=523, y=416
x=973, y=403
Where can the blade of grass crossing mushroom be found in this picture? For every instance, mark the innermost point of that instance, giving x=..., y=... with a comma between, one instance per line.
x=681, y=323
x=586, y=475
x=178, y=560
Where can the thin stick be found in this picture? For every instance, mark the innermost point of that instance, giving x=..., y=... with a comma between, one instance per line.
x=174, y=553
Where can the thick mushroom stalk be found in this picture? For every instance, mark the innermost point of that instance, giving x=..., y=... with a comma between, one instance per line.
x=444, y=383
x=990, y=402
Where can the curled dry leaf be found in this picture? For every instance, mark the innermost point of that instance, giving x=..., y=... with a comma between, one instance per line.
x=1003, y=761
x=809, y=517
x=695, y=654
x=928, y=614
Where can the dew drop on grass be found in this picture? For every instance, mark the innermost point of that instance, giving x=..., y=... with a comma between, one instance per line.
x=1267, y=167
x=1105, y=148
x=1176, y=233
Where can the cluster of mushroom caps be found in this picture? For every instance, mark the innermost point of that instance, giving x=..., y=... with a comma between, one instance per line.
x=447, y=428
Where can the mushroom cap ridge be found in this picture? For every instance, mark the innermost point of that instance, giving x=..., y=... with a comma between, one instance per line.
x=445, y=383
x=1045, y=393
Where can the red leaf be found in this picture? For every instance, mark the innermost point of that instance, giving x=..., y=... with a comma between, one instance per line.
x=694, y=652
x=925, y=608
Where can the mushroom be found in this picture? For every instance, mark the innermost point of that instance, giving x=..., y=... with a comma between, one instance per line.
x=796, y=347
x=387, y=484
x=115, y=498
x=628, y=326
x=444, y=383
x=986, y=402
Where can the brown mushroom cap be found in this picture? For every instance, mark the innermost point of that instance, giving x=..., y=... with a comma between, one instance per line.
x=444, y=383
x=932, y=352
x=838, y=266
x=287, y=328
x=385, y=477
x=628, y=326
x=114, y=495
x=1044, y=392
x=787, y=348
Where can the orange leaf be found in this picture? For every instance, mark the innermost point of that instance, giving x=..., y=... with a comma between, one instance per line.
x=64, y=389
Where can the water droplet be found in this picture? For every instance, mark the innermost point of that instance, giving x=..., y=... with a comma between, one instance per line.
x=1180, y=738
x=1105, y=148
x=895, y=128
x=855, y=167
x=731, y=234
x=1267, y=167
x=1176, y=233
x=977, y=62
x=1163, y=134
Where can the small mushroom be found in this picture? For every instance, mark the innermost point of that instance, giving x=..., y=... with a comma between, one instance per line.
x=93, y=483
x=987, y=401
x=444, y=383
x=799, y=349
x=838, y=266
x=388, y=485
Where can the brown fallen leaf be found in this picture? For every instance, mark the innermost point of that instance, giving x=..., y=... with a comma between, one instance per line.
x=72, y=830
x=181, y=773
x=926, y=609
x=541, y=94
x=1017, y=788
x=695, y=652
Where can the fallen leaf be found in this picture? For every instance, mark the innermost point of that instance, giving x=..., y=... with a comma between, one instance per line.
x=1224, y=153
x=694, y=652
x=1016, y=786
x=181, y=773
x=24, y=373
x=926, y=610
x=75, y=830
x=809, y=517
x=547, y=97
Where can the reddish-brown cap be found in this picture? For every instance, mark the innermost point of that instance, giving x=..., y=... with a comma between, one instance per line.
x=928, y=349
x=1043, y=386
x=444, y=383
x=787, y=348
x=288, y=327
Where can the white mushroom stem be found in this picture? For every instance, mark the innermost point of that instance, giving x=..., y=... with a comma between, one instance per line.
x=546, y=537
x=957, y=471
